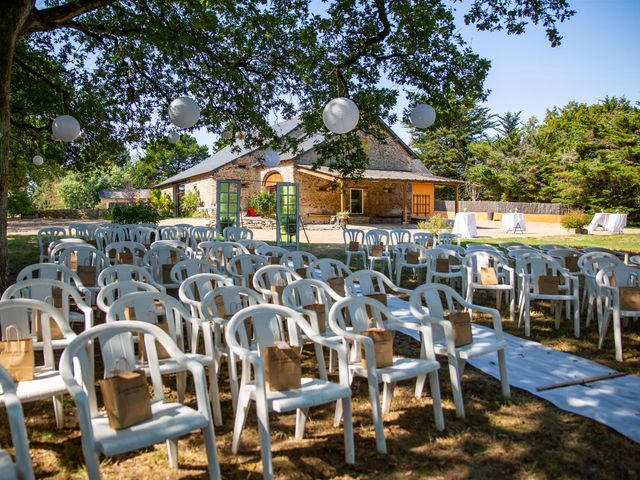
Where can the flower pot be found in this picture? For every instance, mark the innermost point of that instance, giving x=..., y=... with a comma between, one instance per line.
x=490, y=216
x=581, y=231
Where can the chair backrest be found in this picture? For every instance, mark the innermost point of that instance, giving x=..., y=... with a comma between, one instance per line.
x=508, y=245
x=478, y=259
x=193, y=289
x=174, y=232
x=353, y=235
x=364, y=313
x=369, y=282
x=535, y=266
x=326, y=268
x=112, y=292
x=159, y=255
x=85, y=256
x=399, y=235
x=297, y=259
x=425, y=239
x=85, y=231
x=233, y=234
x=273, y=276
x=448, y=238
x=186, y=268
x=271, y=251
x=104, y=236
x=625, y=276
x=225, y=301
x=223, y=252
x=451, y=247
x=202, y=234
x=143, y=235
x=57, y=246
x=124, y=273
x=590, y=263
x=138, y=250
x=308, y=291
x=251, y=244
x=471, y=247
x=51, y=271
x=17, y=426
x=47, y=235
x=403, y=248
x=376, y=237
x=243, y=265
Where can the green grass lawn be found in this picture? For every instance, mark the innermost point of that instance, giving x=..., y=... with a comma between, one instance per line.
x=23, y=251
x=625, y=243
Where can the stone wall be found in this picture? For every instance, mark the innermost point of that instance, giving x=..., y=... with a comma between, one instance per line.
x=317, y=198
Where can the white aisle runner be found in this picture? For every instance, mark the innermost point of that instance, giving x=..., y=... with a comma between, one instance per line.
x=614, y=402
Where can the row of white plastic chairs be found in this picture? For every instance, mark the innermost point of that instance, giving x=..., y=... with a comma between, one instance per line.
x=289, y=296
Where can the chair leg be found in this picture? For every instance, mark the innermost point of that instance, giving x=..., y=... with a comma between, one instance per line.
x=387, y=396
x=374, y=397
x=92, y=462
x=602, y=329
x=456, y=385
x=398, y=274
x=58, y=411
x=301, y=418
x=181, y=385
x=617, y=334
x=504, y=376
x=512, y=306
x=214, y=394
x=438, y=415
x=212, y=453
x=337, y=416
x=241, y=417
x=349, y=451
x=576, y=318
x=420, y=381
x=233, y=379
x=172, y=452
x=322, y=368
x=265, y=438
x=527, y=317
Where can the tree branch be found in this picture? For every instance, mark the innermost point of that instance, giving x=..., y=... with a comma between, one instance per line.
x=27, y=126
x=42, y=20
x=65, y=93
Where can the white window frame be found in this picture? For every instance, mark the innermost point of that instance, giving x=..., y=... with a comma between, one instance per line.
x=361, y=212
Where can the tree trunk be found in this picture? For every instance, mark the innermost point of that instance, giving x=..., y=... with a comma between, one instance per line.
x=12, y=17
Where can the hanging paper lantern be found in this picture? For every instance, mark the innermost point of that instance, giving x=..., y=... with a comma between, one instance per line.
x=227, y=134
x=271, y=159
x=173, y=137
x=184, y=112
x=422, y=115
x=65, y=128
x=37, y=160
x=340, y=115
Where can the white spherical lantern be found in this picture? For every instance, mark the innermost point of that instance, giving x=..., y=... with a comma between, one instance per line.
x=271, y=159
x=173, y=137
x=184, y=112
x=65, y=128
x=340, y=115
x=37, y=160
x=422, y=115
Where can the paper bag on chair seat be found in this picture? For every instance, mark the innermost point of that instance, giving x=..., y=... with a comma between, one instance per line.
x=337, y=285
x=382, y=298
x=548, y=284
x=571, y=263
x=354, y=246
x=412, y=257
x=87, y=274
x=383, y=346
x=376, y=250
x=282, y=367
x=277, y=289
x=630, y=298
x=56, y=333
x=274, y=260
x=126, y=398
x=17, y=356
x=488, y=276
x=124, y=258
x=302, y=272
x=442, y=265
x=461, y=324
x=321, y=314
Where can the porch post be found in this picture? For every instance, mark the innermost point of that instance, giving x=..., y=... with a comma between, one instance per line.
x=405, y=208
x=341, y=196
x=456, y=196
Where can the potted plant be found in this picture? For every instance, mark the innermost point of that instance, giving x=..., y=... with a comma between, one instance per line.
x=435, y=225
x=576, y=220
x=343, y=219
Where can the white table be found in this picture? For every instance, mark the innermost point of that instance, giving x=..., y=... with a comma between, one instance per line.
x=465, y=225
x=611, y=222
x=513, y=220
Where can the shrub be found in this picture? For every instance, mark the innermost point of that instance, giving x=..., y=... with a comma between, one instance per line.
x=19, y=203
x=162, y=203
x=189, y=203
x=435, y=225
x=138, y=213
x=575, y=219
x=264, y=203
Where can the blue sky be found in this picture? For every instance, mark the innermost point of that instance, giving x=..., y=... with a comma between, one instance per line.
x=599, y=56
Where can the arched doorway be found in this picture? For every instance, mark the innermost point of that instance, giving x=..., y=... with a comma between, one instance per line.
x=270, y=181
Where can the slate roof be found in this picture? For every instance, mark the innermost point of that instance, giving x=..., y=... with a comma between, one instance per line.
x=370, y=174
x=125, y=193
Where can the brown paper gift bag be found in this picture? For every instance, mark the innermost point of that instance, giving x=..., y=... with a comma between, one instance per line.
x=382, y=298
x=166, y=272
x=571, y=263
x=73, y=261
x=412, y=257
x=126, y=398
x=630, y=298
x=461, y=324
x=442, y=265
x=383, y=345
x=321, y=314
x=354, y=246
x=124, y=258
x=278, y=289
x=281, y=367
x=274, y=260
x=160, y=350
x=548, y=284
x=337, y=285
x=16, y=356
x=376, y=250
x=488, y=276
x=56, y=333
x=302, y=272
x=87, y=274
x=454, y=261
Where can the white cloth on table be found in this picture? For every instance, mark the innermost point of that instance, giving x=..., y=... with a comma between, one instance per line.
x=598, y=220
x=513, y=219
x=616, y=222
x=465, y=225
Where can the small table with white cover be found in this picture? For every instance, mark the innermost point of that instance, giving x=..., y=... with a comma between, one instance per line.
x=465, y=225
x=611, y=222
x=513, y=221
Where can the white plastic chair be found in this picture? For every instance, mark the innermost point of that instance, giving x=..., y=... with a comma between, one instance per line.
x=89, y=257
x=45, y=237
x=402, y=261
x=270, y=280
x=610, y=297
x=108, y=295
x=267, y=250
x=123, y=273
x=112, y=234
x=425, y=239
x=47, y=382
x=224, y=252
x=427, y=306
x=233, y=234
x=54, y=271
x=590, y=264
x=22, y=468
x=328, y=269
x=313, y=391
x=529, y=270
x=371, y=282
x=453, y=274
x=57, y=246
x=377, y=237
x=159, y=255
x=85, y=231
x=169, y=420
x=401, y=369
x=193, y=289
x=242, y=268
x=198, y=235
x=174, y=232
x=448, y=238
x=398, y=236
x=355, y=235
x=250, y=244
x=191, y=266
x=508, y=245
x=474, y=261
x=136, y=249
x=143, y=235
x=299, y=261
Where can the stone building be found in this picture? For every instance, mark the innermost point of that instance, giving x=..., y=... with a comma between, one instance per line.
x=396, y=186
x=125, y=196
